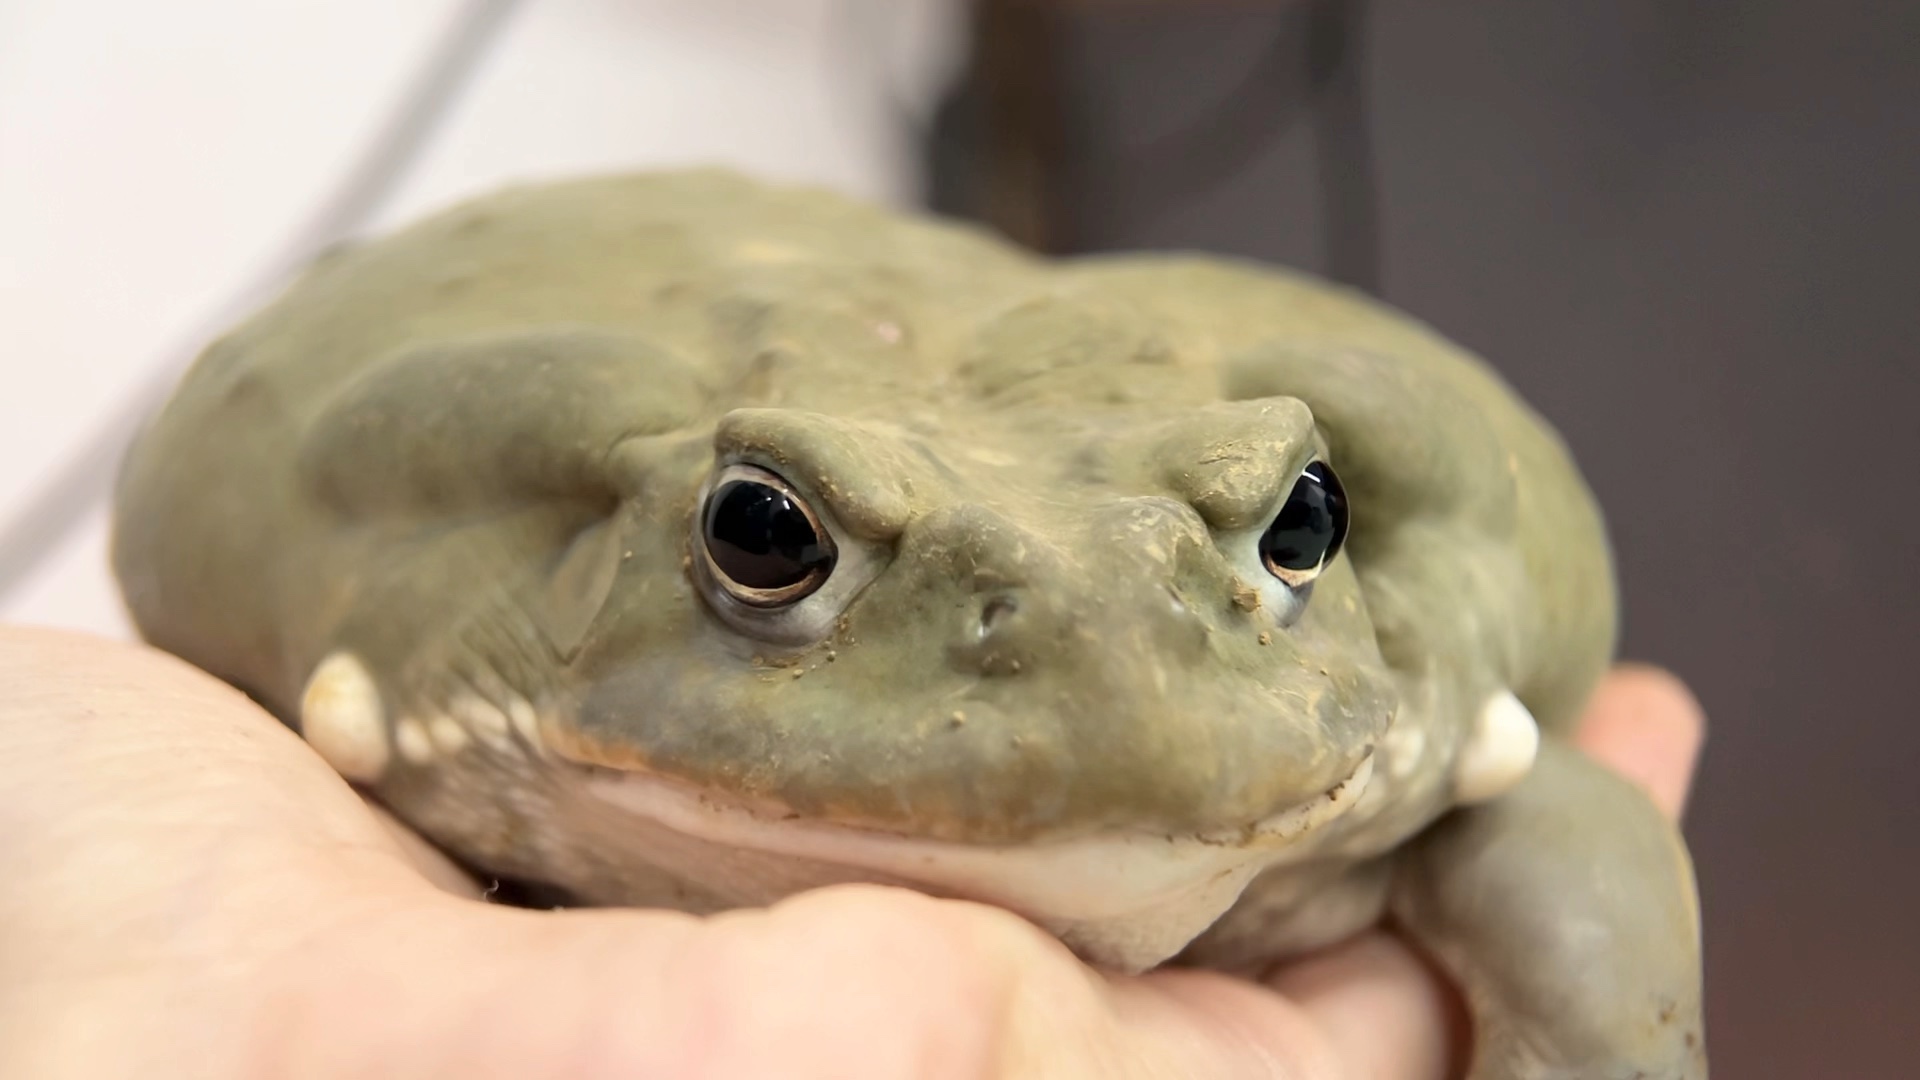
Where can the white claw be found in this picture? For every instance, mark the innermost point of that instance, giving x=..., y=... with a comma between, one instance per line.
x=484, y=719
x=526, y=721
x=448, y=736
x=410, y=735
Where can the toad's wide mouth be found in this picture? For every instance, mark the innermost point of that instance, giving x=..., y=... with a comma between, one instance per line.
x=1125, y=898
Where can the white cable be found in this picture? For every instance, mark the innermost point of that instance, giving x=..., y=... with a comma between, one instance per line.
x=63, y=502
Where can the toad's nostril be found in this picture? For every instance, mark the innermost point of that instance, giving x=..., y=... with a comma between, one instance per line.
x=1002, y=640
x=995, y=611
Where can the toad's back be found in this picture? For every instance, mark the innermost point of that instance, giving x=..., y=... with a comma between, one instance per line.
x=759, y=296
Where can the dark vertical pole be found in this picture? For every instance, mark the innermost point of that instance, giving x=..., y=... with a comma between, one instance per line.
x=1343, y=143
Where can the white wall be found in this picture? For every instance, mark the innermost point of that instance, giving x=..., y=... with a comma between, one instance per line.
x=155, y=157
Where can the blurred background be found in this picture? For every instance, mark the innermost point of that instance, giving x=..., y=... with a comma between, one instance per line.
x=1686, y=231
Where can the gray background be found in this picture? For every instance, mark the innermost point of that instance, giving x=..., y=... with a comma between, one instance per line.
x=1687, y=232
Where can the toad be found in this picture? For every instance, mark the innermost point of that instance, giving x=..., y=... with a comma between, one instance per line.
x=682, y=540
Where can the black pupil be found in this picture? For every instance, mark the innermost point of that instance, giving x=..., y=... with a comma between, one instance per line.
x=1312, y=524
x=760, y=538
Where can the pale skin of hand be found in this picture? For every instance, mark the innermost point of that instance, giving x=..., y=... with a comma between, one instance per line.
x=188, y=891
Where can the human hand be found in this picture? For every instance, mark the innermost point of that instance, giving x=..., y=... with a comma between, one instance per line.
x=190, y=892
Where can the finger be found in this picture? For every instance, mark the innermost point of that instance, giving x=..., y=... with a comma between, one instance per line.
x=432, y=863
x=1643, y=723
x=847, y=982
x=1368, y=1008
x=1385, y=1011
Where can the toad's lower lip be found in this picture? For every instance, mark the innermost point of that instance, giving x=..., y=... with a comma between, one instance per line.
x=1127, y=899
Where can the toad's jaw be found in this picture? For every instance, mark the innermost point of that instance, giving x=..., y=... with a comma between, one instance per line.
x=1127, y=900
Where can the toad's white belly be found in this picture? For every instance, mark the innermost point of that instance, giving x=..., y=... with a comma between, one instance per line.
x=1124, y=900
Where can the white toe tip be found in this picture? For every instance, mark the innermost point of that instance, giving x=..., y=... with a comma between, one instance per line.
x=342, y=719
x=1499, y=753
x=410, y=736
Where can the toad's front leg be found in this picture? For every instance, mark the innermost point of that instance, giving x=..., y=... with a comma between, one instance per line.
x=1567, y=912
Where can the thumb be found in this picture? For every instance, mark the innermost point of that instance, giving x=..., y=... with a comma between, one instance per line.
x=1643, y=723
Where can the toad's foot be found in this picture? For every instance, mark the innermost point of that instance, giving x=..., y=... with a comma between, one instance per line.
x=1567, y=911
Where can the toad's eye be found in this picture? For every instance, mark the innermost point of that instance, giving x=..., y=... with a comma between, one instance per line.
x=762, y=541
x=1308, y=531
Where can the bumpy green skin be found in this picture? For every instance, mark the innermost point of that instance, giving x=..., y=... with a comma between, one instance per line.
x=468, y=455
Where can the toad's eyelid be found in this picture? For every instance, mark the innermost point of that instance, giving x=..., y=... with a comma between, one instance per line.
x=859, y=473
x=811, y=491
x=1219, y=485
x=752, y=472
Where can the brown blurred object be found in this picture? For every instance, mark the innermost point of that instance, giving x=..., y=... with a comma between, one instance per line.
x=1015, y=57
x=1027, y=164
